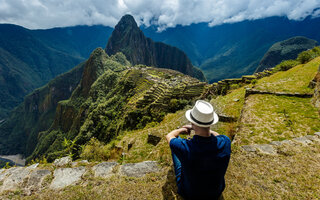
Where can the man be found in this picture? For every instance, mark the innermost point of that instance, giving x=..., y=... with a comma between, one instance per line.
x=200, y=163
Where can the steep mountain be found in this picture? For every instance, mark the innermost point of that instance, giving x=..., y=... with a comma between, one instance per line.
x=232, y=50
x=26, y=63
x=19, y=133
x=285, y=50
x=130, y=40
x=111, y=97
x=30, y=58
x=275, y=136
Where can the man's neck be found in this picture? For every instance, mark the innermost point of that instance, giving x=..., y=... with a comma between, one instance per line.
x=203, y=133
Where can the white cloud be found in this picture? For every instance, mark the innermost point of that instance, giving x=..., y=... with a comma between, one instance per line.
x=164, y=13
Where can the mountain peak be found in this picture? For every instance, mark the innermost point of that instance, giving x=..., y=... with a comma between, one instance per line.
x=138, y=49
x=127, y=21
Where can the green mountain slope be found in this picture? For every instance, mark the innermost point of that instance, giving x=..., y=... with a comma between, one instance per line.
x=285, y=50
x=116, y=107
x=111, y=97
x=26, y=63
x=19, y=133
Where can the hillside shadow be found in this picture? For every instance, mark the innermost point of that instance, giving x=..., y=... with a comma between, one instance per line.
x=169, y=189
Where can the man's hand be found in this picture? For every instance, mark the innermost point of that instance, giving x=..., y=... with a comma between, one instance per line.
x=175, y=133
x=188, y=127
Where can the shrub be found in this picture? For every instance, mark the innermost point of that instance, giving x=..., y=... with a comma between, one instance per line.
x=304, y=57
x=95, y=151
x=254, y=81
x=286, y=65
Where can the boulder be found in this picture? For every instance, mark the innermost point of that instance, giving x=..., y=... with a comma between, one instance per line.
x=60, y=162
x=279, y=143
x=104, y=169
x=317, y=133
x=36, y=180
x=313, y=138
x=276, y=143
x=14, y=178
x=303, y=140
x=139, y=169
x=249, y=148
x=64, y=177
x=266, y=149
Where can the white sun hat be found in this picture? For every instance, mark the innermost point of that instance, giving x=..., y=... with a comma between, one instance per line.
x=202, y=114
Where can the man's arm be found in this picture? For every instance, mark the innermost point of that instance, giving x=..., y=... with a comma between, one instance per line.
x=175, y=133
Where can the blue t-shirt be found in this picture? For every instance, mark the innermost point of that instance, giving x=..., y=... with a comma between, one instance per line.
x=204, y=162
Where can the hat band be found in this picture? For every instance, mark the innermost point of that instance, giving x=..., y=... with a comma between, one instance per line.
x=201, y=123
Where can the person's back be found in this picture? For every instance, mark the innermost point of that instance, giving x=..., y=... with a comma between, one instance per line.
x=200, y=163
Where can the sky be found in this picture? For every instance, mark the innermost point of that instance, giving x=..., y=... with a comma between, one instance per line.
x=43, y=14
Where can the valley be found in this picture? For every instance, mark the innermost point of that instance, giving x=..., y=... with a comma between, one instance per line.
x=97, y=131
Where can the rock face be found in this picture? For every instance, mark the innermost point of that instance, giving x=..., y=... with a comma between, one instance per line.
x=62, y=161
x=130, y=40
x=139, y=169
x=66, y=176
x=271, y=149
x=104, y=169
x=28, y=180
x=285, y=50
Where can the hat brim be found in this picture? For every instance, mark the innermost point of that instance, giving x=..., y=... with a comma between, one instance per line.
x=215, y=119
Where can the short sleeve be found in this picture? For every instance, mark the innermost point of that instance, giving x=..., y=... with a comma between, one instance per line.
x=224, y=145
x=177, y=146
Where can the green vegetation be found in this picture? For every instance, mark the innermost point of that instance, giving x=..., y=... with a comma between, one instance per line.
x=230, y=104
x=112, y=118
x=111, y=98
x=295, y=79
x=307, y=56
x=19, y=133
x=272, y=118
x=286, y=65
x=283, y=52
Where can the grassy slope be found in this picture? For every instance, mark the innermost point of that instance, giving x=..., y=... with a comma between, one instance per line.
x=292, y=174
x=294, y=80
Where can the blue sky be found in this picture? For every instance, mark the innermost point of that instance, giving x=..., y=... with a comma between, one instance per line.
x=35, y=14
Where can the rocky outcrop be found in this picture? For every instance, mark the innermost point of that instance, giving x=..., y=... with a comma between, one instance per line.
x=104, y=170
x=66, y=176
x=32, y=179
x=271, y=149
x=130, y=40
x=285, y=50
x=139, y=169
x=64, y=161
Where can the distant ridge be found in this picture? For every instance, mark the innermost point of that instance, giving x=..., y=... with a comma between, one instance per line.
x=285, y=50
x=130, y=40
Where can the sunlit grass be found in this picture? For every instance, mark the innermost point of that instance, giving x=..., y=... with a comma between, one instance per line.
x=230, y=104
x=294, y=80
x=268, y=117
